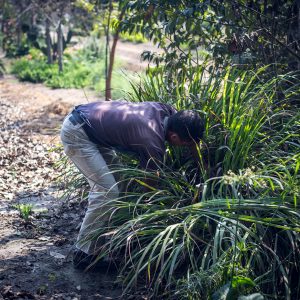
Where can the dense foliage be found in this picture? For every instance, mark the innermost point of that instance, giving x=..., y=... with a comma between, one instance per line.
x=222, y=232
x=230, y=229
x=243, y=32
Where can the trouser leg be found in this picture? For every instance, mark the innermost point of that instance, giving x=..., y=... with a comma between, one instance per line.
x=103, y=191
x=115, y=164
x=89, y=160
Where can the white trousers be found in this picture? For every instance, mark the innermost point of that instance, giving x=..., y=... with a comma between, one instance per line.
x=92, y=161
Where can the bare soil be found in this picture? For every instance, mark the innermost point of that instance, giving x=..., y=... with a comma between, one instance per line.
x=131, y=54
x=35, y=260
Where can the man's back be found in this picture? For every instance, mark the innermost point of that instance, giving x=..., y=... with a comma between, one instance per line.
x=137, y=127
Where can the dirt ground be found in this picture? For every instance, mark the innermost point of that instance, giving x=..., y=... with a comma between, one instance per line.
x=35, y=260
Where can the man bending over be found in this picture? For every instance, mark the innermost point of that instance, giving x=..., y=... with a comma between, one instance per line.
x=92, y=131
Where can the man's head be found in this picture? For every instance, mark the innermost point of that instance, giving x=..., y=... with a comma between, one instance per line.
x=185, y=128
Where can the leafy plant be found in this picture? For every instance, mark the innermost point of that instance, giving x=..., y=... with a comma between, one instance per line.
x=246, y=32
x=236, y=220
x=237, y=104
x=133, y=37
x=25, y=210
x=248, y=213
x=162, y=237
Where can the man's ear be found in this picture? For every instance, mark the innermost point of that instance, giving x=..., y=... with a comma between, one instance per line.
x=173, y=138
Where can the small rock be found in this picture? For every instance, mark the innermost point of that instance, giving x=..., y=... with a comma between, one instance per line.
x=44, y=238
x=57, y=255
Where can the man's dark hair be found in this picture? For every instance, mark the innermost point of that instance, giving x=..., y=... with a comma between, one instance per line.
x=187, y=124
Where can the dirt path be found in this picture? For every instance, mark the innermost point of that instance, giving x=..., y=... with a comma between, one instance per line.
x=34, y=255
x=131, y=54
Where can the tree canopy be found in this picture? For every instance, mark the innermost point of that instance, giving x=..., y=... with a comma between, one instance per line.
x=241, y=31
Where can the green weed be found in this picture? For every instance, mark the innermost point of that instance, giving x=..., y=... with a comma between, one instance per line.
x=25, y=210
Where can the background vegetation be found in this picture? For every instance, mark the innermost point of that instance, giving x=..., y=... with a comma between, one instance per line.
x=83, y=68
x=228, y=226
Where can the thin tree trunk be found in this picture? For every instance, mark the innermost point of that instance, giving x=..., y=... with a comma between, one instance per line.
x=33, y=18
x=298, y=32
x=110, y=67
x=19, y=34
x=60, y=47
x=111, y=61
x=48, y=42
x=3, y=23
x=106, y=30
x=107, y=53
x=19, y=25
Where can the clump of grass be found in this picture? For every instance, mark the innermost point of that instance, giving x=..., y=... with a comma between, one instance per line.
x=25, y=211
x=236, y=220
x=162, y=237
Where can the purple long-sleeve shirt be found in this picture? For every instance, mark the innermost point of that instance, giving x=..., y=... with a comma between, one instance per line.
x=136, y=127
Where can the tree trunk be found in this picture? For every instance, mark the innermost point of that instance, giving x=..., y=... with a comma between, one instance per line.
x=3, y=24
x=48, y=42
x=107, y=54
x=106, y=30
x=19, y=34
x=111, y=61
x=19, y=24
x=33, y=17
x=110, y=67
x=298, y=33
x=60, y=47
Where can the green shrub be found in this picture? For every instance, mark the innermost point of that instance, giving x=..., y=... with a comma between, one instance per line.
x=33, y=70
x=133, y=37
x=82, y=68
x=12, y=50
x=241, y=221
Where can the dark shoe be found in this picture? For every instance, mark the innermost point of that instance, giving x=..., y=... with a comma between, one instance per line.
x=81, y=260
x=85, y=261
